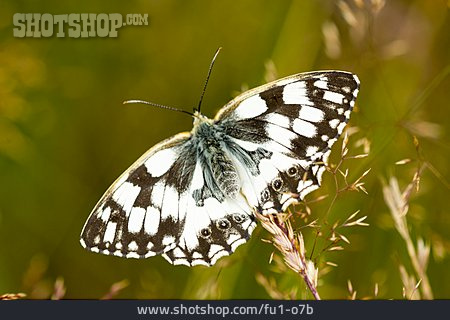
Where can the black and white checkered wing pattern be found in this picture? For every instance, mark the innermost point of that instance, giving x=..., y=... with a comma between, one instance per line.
x=192, y=197
x=290, y=126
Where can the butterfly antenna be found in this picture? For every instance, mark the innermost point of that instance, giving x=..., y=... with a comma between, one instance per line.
x=207, y=79
x=158, y=105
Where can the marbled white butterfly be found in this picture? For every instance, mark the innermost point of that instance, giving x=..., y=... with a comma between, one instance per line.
x=192, y=197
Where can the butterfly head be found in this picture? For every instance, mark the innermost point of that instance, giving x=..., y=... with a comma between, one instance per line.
x=200, y=119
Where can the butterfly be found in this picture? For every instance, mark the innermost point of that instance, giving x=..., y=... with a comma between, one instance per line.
x=191, y=198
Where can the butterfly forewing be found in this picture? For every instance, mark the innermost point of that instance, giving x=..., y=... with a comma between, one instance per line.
x=138, y=215
x=192, y=197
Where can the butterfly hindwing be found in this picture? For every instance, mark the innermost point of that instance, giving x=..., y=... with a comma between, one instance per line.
x=212, y=231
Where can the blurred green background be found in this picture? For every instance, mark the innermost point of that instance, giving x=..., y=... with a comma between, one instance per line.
x=65, y=136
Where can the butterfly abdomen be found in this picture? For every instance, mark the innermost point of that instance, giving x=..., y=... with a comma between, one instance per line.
x=225, y=173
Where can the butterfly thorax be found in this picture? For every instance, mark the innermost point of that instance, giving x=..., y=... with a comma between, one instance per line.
x=218, y=169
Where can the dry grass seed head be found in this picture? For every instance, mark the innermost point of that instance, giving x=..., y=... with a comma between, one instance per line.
x=59, y=289
x=115, y=289
x=12, y=296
